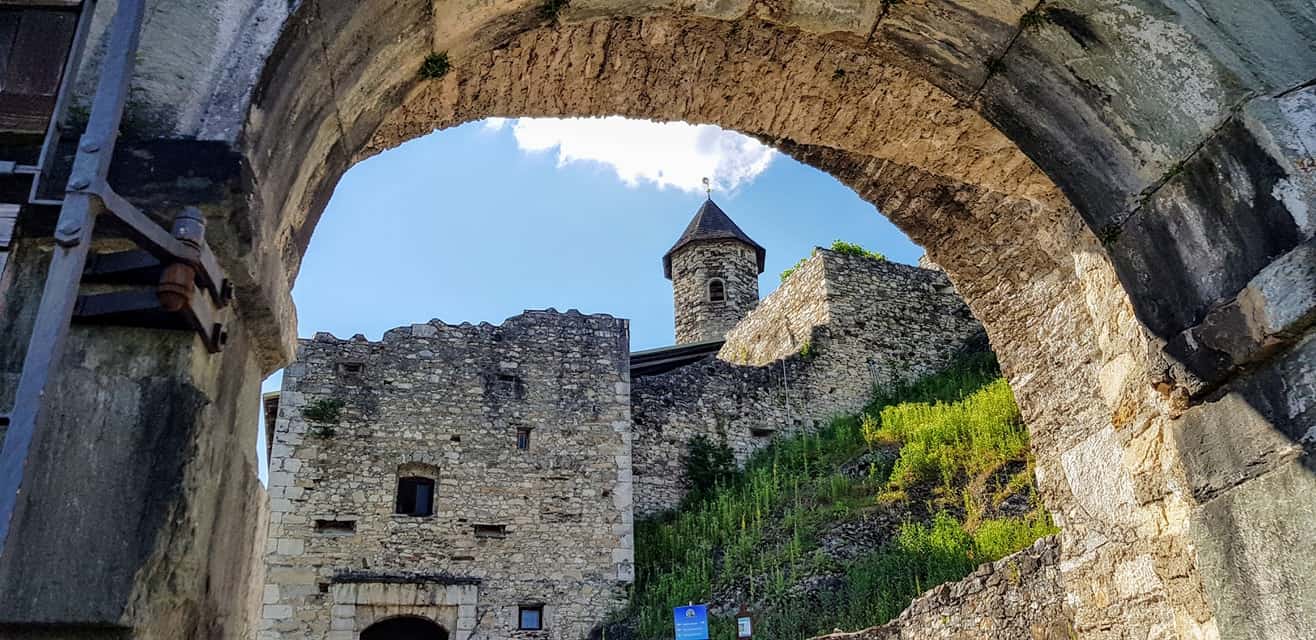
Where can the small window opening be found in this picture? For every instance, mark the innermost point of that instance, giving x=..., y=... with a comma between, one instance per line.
x=506, y=384
x=335, y=527
x=323, y=587
x=523, y=438
x=415, y=496
x=717, y=290
x=490, y=530
x=455, y=438
x=761, y=432
x=351, y=369
x=530, y=617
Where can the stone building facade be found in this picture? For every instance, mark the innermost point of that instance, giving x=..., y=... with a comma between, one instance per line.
x=817, y=347
x=714, y=268
x=466, y=475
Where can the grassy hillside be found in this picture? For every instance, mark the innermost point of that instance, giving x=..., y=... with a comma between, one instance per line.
x=844, y=528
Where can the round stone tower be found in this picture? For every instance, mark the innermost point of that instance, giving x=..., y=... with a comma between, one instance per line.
x=714, y=270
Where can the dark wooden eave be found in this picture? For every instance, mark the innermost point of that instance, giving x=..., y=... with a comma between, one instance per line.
x=655, y=361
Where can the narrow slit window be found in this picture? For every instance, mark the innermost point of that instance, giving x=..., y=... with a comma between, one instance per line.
x=490, y=530
x=523, y=439
x=335, y=527
x=717, y=290
x=530, y=617
x=415, y=497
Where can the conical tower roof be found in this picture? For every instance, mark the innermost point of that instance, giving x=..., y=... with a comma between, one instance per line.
x=711, y=223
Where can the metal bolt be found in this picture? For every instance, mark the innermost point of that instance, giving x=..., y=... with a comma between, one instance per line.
x=67, y=235
x=80, y=184
x=91, y=146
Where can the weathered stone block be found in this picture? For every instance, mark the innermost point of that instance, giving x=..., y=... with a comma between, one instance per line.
x=1246, y=541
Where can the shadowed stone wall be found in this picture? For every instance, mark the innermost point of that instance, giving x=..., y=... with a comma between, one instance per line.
x=550, y=524
x=867, y=323
x=1019, y=597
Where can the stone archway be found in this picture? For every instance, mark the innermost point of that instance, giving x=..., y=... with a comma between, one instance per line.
x=404, y=628
x=1120, y=190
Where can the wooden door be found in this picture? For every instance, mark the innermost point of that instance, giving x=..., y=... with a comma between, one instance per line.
x=35, y=38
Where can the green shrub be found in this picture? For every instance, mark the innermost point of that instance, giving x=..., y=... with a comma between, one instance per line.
x=787, y=273
x=852, y=249
x=808, y=351
x=839, y=246
x=436, y=66
x=325, y=411
x=549, y=9
x=708, y=465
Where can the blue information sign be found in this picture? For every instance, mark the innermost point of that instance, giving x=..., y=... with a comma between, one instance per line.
x=691, y=622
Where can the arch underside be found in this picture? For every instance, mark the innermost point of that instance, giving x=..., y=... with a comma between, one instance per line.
x=893, y=107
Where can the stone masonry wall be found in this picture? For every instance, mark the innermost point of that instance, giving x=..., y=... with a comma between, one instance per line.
x=697, y=318
x=1020, y=597
x=446, y=402
x=868, y=323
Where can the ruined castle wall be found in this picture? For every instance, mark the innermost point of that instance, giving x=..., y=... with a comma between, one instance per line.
x=1020, y=596
x=784, y=321
x=446, y=402
x=699, y=319
x=867, y=324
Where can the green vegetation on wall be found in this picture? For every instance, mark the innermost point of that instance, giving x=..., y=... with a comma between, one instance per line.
x=436, y=66
x=324, y=414
x=938, y=472
x=839, y=246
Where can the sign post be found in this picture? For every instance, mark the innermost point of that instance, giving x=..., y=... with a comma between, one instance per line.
x=744, y=623
x=691, y=622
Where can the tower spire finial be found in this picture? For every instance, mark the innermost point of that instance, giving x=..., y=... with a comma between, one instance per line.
x=708, y=188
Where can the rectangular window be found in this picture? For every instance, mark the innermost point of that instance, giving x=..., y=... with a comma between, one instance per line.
x=351, y=370
x=415, y=497
x=335, y=527
x=507, y=384
x=490, y=530
x=523, y=438
x=530, y=617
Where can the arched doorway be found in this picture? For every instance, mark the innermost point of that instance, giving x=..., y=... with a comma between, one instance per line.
x=404, y=628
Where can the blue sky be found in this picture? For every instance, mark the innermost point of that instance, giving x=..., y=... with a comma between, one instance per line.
x=465, y=225
x=480, y=222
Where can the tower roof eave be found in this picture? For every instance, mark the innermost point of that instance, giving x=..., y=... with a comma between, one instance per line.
x=710, y=224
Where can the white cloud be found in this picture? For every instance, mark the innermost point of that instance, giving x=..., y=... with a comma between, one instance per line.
x=667, y=154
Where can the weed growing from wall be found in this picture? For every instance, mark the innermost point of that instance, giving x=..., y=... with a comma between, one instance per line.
x=436, y=66
x=326, y=411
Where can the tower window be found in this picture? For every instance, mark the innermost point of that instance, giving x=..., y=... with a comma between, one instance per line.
x=523, y=438
x=415, y=496
x=717, y=290
x=530, y=617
